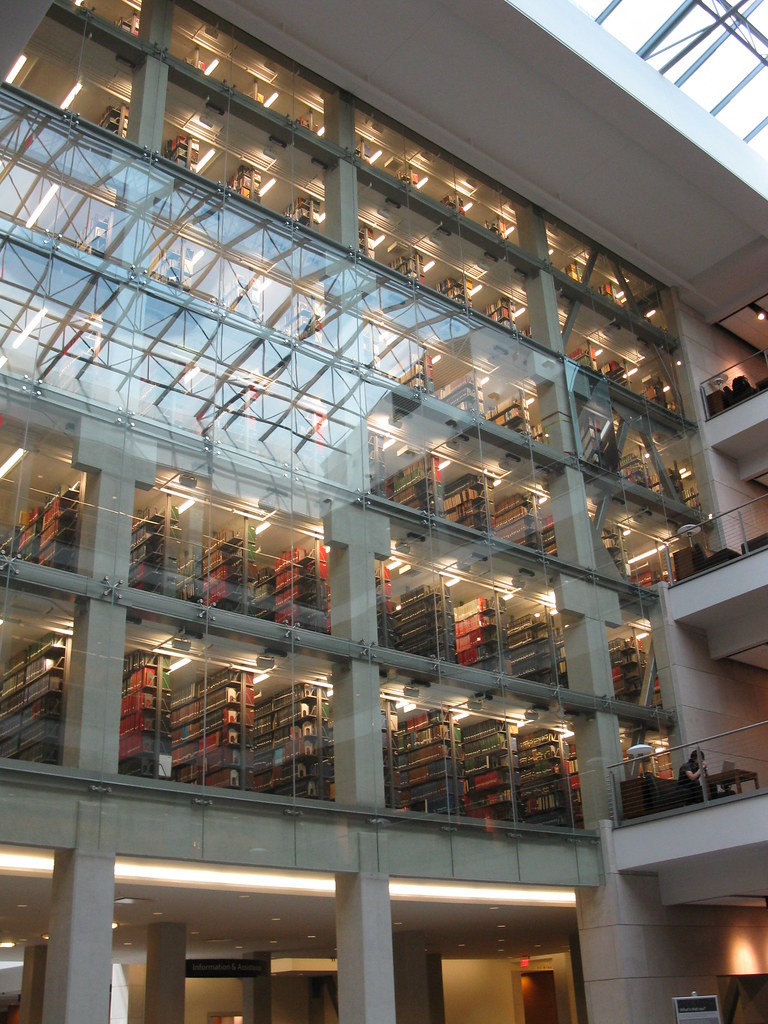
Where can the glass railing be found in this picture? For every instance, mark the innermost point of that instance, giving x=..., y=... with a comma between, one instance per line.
x=735, y=384
x=721, y=539
x=657, y=779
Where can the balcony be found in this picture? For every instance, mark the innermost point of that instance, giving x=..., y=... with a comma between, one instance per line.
x=689, y=833
x=737, y=414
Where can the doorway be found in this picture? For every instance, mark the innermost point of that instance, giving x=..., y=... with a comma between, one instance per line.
x=539, y=1000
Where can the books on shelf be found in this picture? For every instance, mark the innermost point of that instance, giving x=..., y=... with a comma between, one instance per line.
x=31, y=701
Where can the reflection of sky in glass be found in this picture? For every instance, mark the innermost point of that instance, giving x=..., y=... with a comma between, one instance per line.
x=716, y=56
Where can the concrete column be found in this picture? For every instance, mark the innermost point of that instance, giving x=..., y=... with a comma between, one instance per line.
x=577, y=972
x=418, y=981
x=33, y=985
x=356, y=537
x=638, y=953
x=341, y=181
x=539, y=288
x=150, y=81
x=364, y=942
x=257, y=994
x=79, y=965
x=166, y=973
x=115, y=464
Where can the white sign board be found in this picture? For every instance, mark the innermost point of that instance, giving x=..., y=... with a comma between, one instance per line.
x=697, y=1010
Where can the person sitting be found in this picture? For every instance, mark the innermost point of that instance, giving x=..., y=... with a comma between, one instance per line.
x=689, y=778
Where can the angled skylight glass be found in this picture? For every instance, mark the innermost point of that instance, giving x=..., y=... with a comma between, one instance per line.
x=714, y=51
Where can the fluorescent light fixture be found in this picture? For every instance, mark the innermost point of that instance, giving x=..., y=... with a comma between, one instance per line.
x=393, y=563
x=529, y=402
x=42, y=205
x=211, y=67
x=645, y=554
x=641, y=636
x=476, y=288
x=436, y=359
x=518, y=312
x=509, y=596
x=10, y=462
x=21, y=60
x=179, y=664
x=271, y=100
x=142, y=871
x=404, y=568
x=377, y=241
x=444, y=464
x=187, y=504
x=321, y=131
x=597, y=352
x=481, y=894
x=684, y=472
x=631, y=372
x=509, y=230
x=666, y=388
x=3, y=361
x=497, y=482
x=458, y=715
x=626, y=532
x=204, y=160
x=428, y=265
x=33, y=324
x=262, y=528
x=320, y=217
x=452, y=581
x=71, y=95
x=375, y=157
x=650, y=313
x=421, y=183
x=388, y=444
x=620, y=294
x=550, y=251
x=468, y=206
x=267, y=186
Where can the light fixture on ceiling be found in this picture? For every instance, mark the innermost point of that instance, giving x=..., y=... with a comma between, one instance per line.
x=10, y=462
x=71, y=95
x=13, y=74
x=271, y=100
x=205, y=160
x=211, y=67
x=35, y=215
x=33, y=324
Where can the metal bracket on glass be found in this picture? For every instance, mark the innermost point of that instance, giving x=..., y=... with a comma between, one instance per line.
x=125, y=419
x=99, y=787
x=206, y=611
x=292, y=812
x=112, y=590
x=34, y=387
x=201, y=801
x=7, y=563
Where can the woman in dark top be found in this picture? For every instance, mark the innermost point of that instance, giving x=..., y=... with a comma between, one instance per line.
x=689, y=778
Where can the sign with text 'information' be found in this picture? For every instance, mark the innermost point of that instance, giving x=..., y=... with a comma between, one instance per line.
x=696, y=1010
x=226, y=968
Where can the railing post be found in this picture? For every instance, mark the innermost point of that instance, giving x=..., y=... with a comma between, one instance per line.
x=743, y=534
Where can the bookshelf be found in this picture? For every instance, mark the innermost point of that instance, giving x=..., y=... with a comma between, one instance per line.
x=627, y=666
x=213, y=731
x=477, y=638
x=145, y=716
x=465, y=502
x=419, y=375
x=417, y=486
x=385, y=618
x=545, y=781
x=463, y=394
x=302, y=594
x=510, y=413
x=536, y=650
x=491, y=770
x=246, y=181
x=424, y=624
x=183, y=150
x=115, y=120
x=50, y=535
x=294, y=743
x=225, y=574
x=455, y=290
x=31, y=701
x=155, y=544
x=427, y=760
x=409, y=263
x=303, y=210
x=515, y=520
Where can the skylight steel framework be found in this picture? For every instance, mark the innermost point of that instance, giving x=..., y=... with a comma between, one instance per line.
x=715, y=52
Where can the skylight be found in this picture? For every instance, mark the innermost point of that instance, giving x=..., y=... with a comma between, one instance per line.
x=716, y=52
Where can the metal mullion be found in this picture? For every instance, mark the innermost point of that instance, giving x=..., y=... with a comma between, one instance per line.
x=737, y=89
x=719, y=22
x=661, y=33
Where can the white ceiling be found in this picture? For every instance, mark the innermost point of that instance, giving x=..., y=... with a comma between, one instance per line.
x=499, y=91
